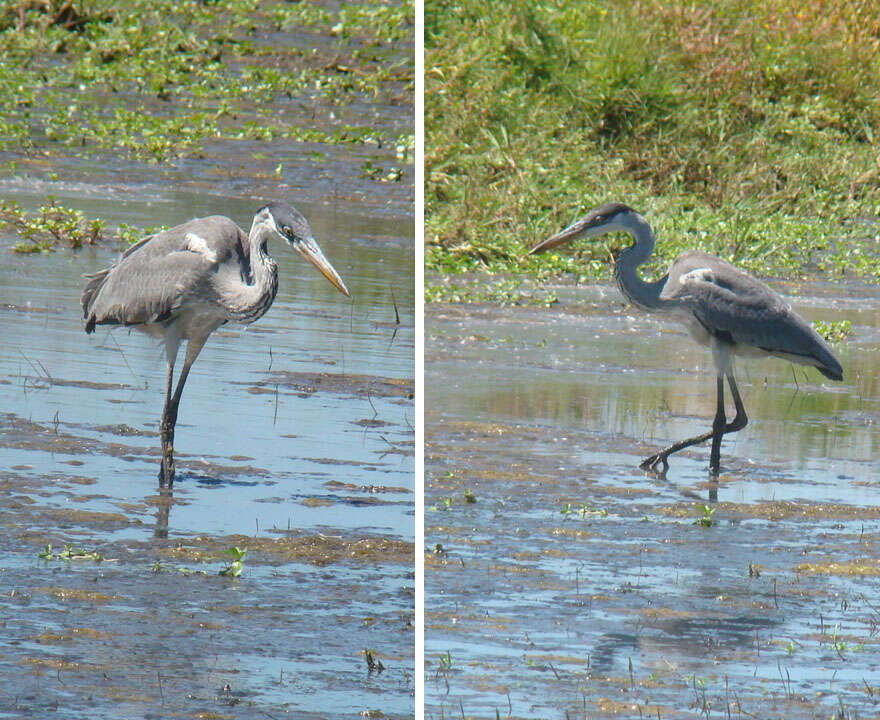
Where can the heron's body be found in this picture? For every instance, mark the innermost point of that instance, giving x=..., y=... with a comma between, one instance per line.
x=722, y=307
x=185, y=282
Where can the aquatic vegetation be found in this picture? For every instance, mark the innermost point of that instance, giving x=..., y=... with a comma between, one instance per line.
x=706, y=518
x=234, y=567
x=444, y=504
x=69, y=553
x=163, y=77
x=131, y=234
x=445, y=661
x=374, y=664
x=52, y=224
x=498, y=291
x=584, y=510
x=834, y=331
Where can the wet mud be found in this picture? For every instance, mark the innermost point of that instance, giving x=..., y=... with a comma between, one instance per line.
x=562, y=581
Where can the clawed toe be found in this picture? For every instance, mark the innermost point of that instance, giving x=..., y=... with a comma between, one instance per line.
x=650, y=464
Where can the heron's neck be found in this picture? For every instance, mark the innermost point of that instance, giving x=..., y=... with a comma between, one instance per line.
x=254, y=294
x=643, y=294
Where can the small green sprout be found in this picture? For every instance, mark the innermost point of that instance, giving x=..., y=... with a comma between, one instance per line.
x=706, y=519
x=584, y=511
x=445, y=661
x=443, y=505
x=236, y=565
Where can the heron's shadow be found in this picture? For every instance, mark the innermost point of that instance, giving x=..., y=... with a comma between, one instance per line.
x=213, y=480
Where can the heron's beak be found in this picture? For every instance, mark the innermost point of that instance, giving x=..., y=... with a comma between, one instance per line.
x=573, y=231
x=310, y=251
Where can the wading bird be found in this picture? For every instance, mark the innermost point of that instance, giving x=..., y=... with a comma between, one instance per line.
x=184, y=283
x=722, y=307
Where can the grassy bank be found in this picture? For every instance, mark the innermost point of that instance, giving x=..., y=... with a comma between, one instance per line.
x=746, y=129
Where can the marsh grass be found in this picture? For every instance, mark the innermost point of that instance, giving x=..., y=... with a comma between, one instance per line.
x=740, y=128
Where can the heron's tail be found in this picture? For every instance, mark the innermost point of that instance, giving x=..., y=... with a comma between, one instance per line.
x=823, y=357
x=830, y=368
x=90, y=292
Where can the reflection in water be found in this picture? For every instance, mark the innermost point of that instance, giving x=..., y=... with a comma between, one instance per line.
x=164, y=501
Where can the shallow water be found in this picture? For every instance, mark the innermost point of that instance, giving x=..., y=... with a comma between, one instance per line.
x=563, y=581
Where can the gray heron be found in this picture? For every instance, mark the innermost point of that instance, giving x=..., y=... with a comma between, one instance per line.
x=185, y=282
x=722, y=307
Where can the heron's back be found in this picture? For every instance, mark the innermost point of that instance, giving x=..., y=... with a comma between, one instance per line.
x=745, y=313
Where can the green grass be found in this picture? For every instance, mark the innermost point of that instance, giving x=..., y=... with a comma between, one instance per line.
x=740, y=128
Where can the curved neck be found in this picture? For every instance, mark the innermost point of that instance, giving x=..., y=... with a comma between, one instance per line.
x=643, y=294
x=256, y=288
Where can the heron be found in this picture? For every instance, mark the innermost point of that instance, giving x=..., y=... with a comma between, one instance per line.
x=185, y=282
x=724, y=308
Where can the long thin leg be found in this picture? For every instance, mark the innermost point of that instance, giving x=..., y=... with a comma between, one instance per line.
x=166, y=431
x=169, y=414
x=717, y=429
x=741, y=419
x=738, y=423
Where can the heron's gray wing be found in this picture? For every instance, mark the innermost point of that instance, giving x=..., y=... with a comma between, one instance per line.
x=739, y=309
x=139, y=293
x=152, y=279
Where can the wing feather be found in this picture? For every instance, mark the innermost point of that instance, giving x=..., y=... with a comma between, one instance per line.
x=741, y=310
x=153, y=278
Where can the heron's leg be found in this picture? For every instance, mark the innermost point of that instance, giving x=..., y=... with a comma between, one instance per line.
x=741, y=419
x=718, y=429
x=172, y=401
x=738, y=423
x=193, y=347
x=166, y=431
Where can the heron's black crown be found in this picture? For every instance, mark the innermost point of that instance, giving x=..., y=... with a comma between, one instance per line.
x=605, y=212
x=289, y=221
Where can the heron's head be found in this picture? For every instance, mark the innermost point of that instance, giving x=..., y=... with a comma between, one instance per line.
x=294, y=229
x=606, y=218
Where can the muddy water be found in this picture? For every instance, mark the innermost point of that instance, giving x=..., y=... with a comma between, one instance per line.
x=294, y=440
x=561, y=581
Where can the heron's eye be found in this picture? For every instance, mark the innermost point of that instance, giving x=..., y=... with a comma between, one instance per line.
x=287, y=231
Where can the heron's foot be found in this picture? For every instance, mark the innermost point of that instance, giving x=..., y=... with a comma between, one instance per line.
x=651, y=464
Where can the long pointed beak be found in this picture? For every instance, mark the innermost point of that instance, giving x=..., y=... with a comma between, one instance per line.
x=310, y=250
x=573, y=231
